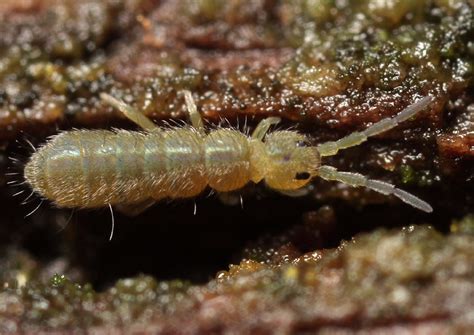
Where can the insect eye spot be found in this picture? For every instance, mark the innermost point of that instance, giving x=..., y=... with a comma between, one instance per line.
x=302, y=144
x=302, y=176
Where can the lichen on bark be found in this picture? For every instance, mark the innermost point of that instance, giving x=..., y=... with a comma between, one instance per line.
x=326, y=68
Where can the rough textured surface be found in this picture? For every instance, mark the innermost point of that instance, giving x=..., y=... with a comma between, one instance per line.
x=327, y=68
x=414, y=279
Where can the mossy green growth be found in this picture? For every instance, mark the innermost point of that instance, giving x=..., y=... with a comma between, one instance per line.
x=464, y=225
x=321, y=10
x=57, y=303
x=342, y=48
x=144, y=290
x=372, y=268
x=58, y=280
x=207, y=9
x=421, y=178
x=63, y=304
x=69, y=30
x=407, y=174
x=388, y=45
x=398, y=257
x=38, y=84
x=391, y=12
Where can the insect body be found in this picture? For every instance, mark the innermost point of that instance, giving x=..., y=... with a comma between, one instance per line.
x=132, y=170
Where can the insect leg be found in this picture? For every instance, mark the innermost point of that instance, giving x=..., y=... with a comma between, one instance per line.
x=135, y=208
x=356, y=180
x=262, y=128
x=331, y=148
x=134, y=116
x=196, y=119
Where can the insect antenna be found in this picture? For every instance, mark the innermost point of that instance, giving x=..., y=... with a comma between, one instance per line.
x=359, y=180
x=331, y=148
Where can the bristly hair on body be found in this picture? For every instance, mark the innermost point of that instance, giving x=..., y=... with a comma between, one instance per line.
x=131, y=170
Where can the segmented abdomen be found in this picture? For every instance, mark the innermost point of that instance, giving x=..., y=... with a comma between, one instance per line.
x=97, y=168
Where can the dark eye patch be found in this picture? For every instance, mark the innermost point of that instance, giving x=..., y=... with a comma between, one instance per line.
x=302, y=144
x=302, y=176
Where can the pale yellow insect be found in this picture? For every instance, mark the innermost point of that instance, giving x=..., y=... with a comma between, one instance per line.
x=131, y=170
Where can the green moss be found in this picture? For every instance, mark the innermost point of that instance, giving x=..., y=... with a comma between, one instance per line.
x=408, y=174
x=342, y=49
x=58, y=280
x=421, y=178
x=390, y=12
x=207, y=9
x=464, y=226
x=338, y=57
x=391, y=268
